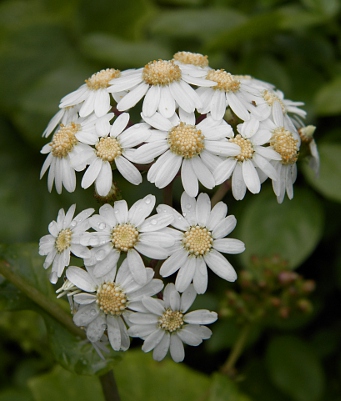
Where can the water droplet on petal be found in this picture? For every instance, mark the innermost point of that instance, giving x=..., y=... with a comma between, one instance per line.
x=93, y=312
x=147, y=201
x=188, y=206
x=184, y=214
x=73, y=223
x=101, y=226
x=153, y=222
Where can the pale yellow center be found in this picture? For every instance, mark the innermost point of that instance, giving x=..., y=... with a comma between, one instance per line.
x=245, y=146
x=101, y=79
x=225, y=81
x=161, y=72
x=64, y=140
x=111, y=299
x=271, y=98
x=197, y=240
x=285, y=144
x=191, y=58
x=108, y=149
x=63, y=240
x=307, y=133
x=124, y=237
x=186, y=140
x=171, y=320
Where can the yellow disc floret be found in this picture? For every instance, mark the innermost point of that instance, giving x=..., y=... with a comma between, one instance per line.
x=64, y=140
x=245, y=146
x=171, y=320
x=161, y=72
x=111, y=299
x=285, y=144
x=271, y=98
x=196, y=59
x=197, y=241
x=225, y=81
x=101, y=79
x=108, y=149
x=186, y=140
x=63, y=240
x=124, y=237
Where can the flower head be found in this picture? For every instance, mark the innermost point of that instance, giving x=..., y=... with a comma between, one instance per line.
x=164, y=324
x=183, y=144
x=129, y=232
x=64, y=239
x=106, y=302
x=199, y=237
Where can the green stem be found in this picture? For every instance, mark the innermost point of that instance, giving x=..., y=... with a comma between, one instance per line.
x=109, y=387
x=237, y=349
x=52, y=308
x=221, y=192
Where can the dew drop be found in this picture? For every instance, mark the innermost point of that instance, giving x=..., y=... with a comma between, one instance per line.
x=147, y=201
x=73, y=223
x=93, y=312
x=188, y=206
x=153, y=222
x=101, y=226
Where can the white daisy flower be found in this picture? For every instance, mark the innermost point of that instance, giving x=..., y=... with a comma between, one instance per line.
x=306, y=134
x=272, y=103
x=93, y=95
x=64, y=239
x=105, y=303
x=229, y=91
x=115, y=148
x=63, y=116
x=193, y=64
x=165, y=325
x=164, y=86
x=253, y=156
x=199, y=241
x=285, y=141
x=68, y=141
x=130, y=231
x=185, y=145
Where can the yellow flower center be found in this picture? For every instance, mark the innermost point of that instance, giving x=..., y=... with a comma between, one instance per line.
x=245, y=146
x=197, y=241
x=285, y=144
x=307, y=133
x=271, y=98
x=191, y=58
x=101, y=79
x=63, y=240
x=161, y=72
x=64, y=140
x=186, y=140
x=124, y=237
x=111, y=299
x=225, y=81
x=108, y=149
x=171, y=320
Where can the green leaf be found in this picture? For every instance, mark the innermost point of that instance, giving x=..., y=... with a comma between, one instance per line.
x=328, y=98
x=125, y=18
x=328, y=181
x=290, y=230
x=223, y=388
x=190, y=23
x=294, y=368
x=16, y=395
x=76, y=355
x=140, y=378
x=234, y=35
x=121, y=53
x=59, y=384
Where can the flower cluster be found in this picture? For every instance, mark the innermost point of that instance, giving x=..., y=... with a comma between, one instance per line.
x=203, y=125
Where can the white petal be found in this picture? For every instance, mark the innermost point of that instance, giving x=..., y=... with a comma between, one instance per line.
x=128, y=170
x=176, y=348
x=173, y=263
x=185, y=274
x=224, y=227
x=80, y=278
x=201, y=316
x=200, y=279
x=119, y=124
x=132, y=97
x=187, y=298
x=85, y=315
x=189, y=179
x=140, y=210
x=229, y=245
x=203, y=209
x=161, y=349
x=167, y=102
x=153, y=340
x=251, y=177
x=220, y=266
x=137, y=267
x=151, y=101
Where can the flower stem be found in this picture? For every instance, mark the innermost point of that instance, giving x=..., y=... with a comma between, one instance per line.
x=237, y=349
x=221, y=192
x=109, y=387
x=52, y=308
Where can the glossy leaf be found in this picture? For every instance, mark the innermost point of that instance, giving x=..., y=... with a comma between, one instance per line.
x=290, y=230
x=223, y=388
x=328, y=183
x=294, y=369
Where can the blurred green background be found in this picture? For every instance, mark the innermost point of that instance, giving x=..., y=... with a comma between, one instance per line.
x=49, y=47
